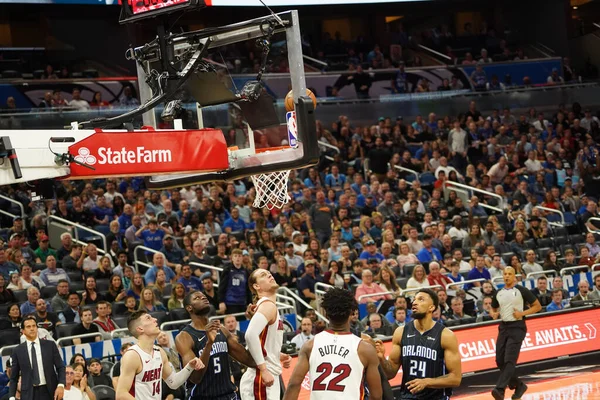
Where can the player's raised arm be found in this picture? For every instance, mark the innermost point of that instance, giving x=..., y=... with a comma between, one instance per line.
x=131, y=364
x=265, y=314
x=236, y=350
x=391, y=365
x=452, y=360
x=293, y=388
x=370, y=360
x=175, y=379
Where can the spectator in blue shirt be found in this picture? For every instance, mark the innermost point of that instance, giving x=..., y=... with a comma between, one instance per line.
x=335, y=180
x=557, y=301
x=428, y=253
x=158, y=262
x=190, y=282
x=234, y=223
x=7, y=267
x=480, y=271
x=476, y=209
x=125, y=218
x=152, y=235
x=175, y=255
x=33, y=294
x=371, y=252
x=103, y=214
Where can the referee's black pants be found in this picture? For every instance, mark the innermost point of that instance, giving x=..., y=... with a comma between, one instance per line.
x=508, y=347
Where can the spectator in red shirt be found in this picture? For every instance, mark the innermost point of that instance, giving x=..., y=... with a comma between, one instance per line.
x=435, y=277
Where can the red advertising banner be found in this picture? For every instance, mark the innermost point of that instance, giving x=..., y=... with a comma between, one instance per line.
x=547, y=337
x=150, y=5
x=149, y=153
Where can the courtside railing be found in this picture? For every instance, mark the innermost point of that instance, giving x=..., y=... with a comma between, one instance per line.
x=74, y=231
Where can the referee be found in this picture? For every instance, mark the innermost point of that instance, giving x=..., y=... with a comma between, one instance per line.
x=509, y=305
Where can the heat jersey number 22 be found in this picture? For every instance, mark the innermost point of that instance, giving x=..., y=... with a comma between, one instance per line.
x=341, y=372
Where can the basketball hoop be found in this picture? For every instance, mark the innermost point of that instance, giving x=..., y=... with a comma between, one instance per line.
x=271, y=189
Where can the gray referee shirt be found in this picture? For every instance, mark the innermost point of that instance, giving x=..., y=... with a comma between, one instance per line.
x=509, y=300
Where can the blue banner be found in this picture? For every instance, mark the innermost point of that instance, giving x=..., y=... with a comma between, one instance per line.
x=538, y=70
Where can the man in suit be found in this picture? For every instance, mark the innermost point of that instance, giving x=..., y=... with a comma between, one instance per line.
x=40, y=380
x=584, y=290
x=595, y=295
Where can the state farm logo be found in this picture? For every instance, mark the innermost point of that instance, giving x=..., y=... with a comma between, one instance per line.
x=108, y=155
x=85, y=157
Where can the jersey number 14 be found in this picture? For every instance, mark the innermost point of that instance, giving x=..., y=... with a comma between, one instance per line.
x=342, y=371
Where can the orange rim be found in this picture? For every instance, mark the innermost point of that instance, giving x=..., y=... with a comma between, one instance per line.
x=273, y=149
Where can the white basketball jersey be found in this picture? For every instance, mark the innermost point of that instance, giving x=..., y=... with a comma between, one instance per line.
x=336, y=372
x=148, y=382
x=271, y=340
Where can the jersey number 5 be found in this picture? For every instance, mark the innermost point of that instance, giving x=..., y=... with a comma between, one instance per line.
x=342, y=371
x=417, y=368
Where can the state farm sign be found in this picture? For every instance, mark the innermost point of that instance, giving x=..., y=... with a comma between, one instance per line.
x=149, y=153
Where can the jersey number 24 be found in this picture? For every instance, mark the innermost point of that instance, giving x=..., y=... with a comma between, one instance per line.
x=342, y=371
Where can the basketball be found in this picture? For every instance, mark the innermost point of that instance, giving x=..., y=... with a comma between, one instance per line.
x=289, y=99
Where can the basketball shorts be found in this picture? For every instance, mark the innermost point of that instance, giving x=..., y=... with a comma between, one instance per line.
x=253, y=388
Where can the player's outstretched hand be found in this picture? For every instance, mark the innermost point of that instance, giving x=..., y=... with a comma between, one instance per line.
x=196, y=363
x=417, y=385
x=212, y=329
x=267, y=378
x=286, y=360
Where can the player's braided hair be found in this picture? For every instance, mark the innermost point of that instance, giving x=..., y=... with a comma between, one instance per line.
x=338, y=305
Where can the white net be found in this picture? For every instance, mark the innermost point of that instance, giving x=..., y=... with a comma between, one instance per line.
x=271, y=189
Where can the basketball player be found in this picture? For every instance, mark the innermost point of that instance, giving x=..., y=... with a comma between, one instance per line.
x=214, y=381
x=508, y=304
x=427, y=351
x=336, y=359
x=144, y=366
x=264, y=338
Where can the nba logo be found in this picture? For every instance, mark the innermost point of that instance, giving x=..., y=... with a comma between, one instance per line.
x=292, y=129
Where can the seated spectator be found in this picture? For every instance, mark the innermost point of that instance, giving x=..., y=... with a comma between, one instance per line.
x=557, y=303
x=386, y=279
x=6, y=267
x=435, y=276
x=405, y=257
x=45, y=319
x=583, y=293
x=284, y=276
x=306, y=284
x=293, y=260
x=457, y=231
x=474, y=239
x=190, y=282
x=77, y=102
x=541, y=291
x=418, y=278
x=414, y=244
x=80, y=381
x=234, y=223
x=60, y=300
x=44, y=250
x=486, y=307
x=149, y=303
x=173, y=254
x=371, y=251
x=136, y=287
x=595, y=294
x=70, y=314
x=428, y=253
x=29, y=307
x=356, y=326
x=105, y=323
x=530, y=265
x=334, y=276
x=89, y=259
x=457, y=309
x=377, y=327
x=399, y=319
x=368, y=287
x=463, y=265
x=158, y=261
x=305, y=334
x=6, y=294
x=86, y=326
x=478, y=272
x=128, y=99
x=13, y=317
x=104, y=270
x=131, y=305
x=69, y=261
x=90, y=294
x=52, y=275
x=585, y=258
x=212, y=294
x=97, y=377
x=177, y=297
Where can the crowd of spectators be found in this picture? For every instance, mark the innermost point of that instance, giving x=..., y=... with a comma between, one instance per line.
x=380, y=236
